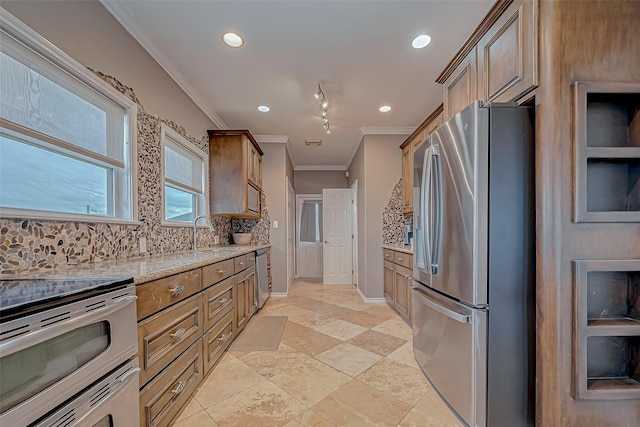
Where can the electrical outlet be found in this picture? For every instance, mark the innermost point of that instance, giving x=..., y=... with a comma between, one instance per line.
x=143, y=245
x=275, y=224
x=216, y=240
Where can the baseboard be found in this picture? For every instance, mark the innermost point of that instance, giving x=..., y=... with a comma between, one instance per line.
x=279, y=294
x=373, y=300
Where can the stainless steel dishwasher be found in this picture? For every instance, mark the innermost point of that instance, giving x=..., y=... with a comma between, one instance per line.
x=262, y=280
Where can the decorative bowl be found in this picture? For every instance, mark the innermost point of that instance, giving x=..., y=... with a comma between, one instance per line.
x=242, y=238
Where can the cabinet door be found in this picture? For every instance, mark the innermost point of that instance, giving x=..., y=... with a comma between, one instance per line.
x=407, y=180
x=460, y=89
x=402, y=290
x=241, y=301
x=507, y=54
x=388, y=278
x=250, y=280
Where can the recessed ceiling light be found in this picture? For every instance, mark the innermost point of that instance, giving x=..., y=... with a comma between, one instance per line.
x=233, y=39
x=421, y=41
x=384, y=109
x=263, y=108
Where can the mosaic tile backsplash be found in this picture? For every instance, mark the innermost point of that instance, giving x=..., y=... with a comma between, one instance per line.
x=393, y=220
x=27, y=244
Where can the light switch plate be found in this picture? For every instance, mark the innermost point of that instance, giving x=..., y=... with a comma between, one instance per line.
x=275, y=224
x=143, y=245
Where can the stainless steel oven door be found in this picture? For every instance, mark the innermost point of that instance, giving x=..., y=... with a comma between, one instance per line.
x=47, y=357
x=110, y=402
x=450, y=345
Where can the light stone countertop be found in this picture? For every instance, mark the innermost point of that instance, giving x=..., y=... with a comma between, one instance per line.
x=143, y=269
x=399, y=248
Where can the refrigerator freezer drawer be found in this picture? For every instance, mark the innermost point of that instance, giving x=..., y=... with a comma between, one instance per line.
x=450, y=343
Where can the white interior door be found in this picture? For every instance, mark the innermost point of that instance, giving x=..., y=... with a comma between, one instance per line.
x=337, y=249
x=309, y=235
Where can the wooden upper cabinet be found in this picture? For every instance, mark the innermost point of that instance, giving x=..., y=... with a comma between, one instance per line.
x=508, y=53
x=460, y=88
x=409, y=146
x=235, y=173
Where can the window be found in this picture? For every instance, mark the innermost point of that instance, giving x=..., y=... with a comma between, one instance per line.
x=65, y=135
x=311, y=221
x=184, y=168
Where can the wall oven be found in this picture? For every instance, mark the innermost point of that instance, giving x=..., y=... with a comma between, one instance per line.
x=59, y=339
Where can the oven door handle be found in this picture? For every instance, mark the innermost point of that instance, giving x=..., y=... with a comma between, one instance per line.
x=458, y=317
x=51, y=331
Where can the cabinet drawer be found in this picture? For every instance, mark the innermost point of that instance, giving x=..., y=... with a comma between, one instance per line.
x=388, y=255
x=162, y=398
x=212, y=274
x=240, y=263
x=217, y=339
x=251, y=259
x=403, y=259
x=217, y=300
x=163, y=336
x=159, y=294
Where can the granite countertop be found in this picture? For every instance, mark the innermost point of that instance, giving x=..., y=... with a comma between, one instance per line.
x=400, y=248
x=143, y=269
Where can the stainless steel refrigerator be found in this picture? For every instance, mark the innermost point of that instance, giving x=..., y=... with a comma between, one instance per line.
x=474, y=264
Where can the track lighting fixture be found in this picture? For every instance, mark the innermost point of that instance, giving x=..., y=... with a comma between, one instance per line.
x=324, y=106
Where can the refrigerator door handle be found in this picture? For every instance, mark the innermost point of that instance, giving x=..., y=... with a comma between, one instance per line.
x=437, y=209
x=425, y=199
x=458, y=317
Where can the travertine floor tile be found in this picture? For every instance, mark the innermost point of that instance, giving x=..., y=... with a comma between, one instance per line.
x=293, y=423
x=377, y=342
x=382, y=309
x=361, y=318
x=341, y=330
x=437, y=410
x=357, y=404
x=261, y=405
x=395, y=327
x=405, y=355
x=193, y=407
x=225, y=380
x=311, y=342
x=348, y=358
x=270, y=363
x=312, y=419
x=397, y=380
x=201, y=419
x=310, y=381
x=416, y=418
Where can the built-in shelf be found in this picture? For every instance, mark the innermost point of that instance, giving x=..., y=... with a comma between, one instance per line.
x=607, y=329
x=606, y=134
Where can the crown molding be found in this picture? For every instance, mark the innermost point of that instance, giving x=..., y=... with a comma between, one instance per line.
x=320, y=168
x=129, y=24
x=277, y=139
x=376, y=130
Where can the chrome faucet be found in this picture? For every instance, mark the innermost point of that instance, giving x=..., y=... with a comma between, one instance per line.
x=195, y=234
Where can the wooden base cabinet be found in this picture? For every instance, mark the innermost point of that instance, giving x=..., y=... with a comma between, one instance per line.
x=162, y=399
x=397, y=279
x=186, y=330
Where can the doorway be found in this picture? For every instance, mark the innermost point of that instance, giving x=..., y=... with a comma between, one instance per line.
x=291, y=224
x=309, y=235
x=337, y=266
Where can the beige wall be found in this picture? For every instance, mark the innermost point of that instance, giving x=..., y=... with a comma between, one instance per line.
x=276, y=166
x=377, y=166
x=89, y=34
x=312, y=182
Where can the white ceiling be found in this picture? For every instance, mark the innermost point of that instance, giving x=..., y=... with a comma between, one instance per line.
x=359, y=51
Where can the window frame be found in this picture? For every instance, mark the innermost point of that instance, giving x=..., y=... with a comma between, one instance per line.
x=202, y=201
x=124, y=204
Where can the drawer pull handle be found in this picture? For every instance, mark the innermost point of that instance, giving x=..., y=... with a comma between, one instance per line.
x=223, y=300
x=241, y=263
x=400, y=258
x=181, y=386
x=177, y=290
x=387, y=255
x=222, y=271
x=180, y=332
x=223, y=337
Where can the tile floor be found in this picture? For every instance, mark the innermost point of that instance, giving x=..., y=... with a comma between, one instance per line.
x=341, y=362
